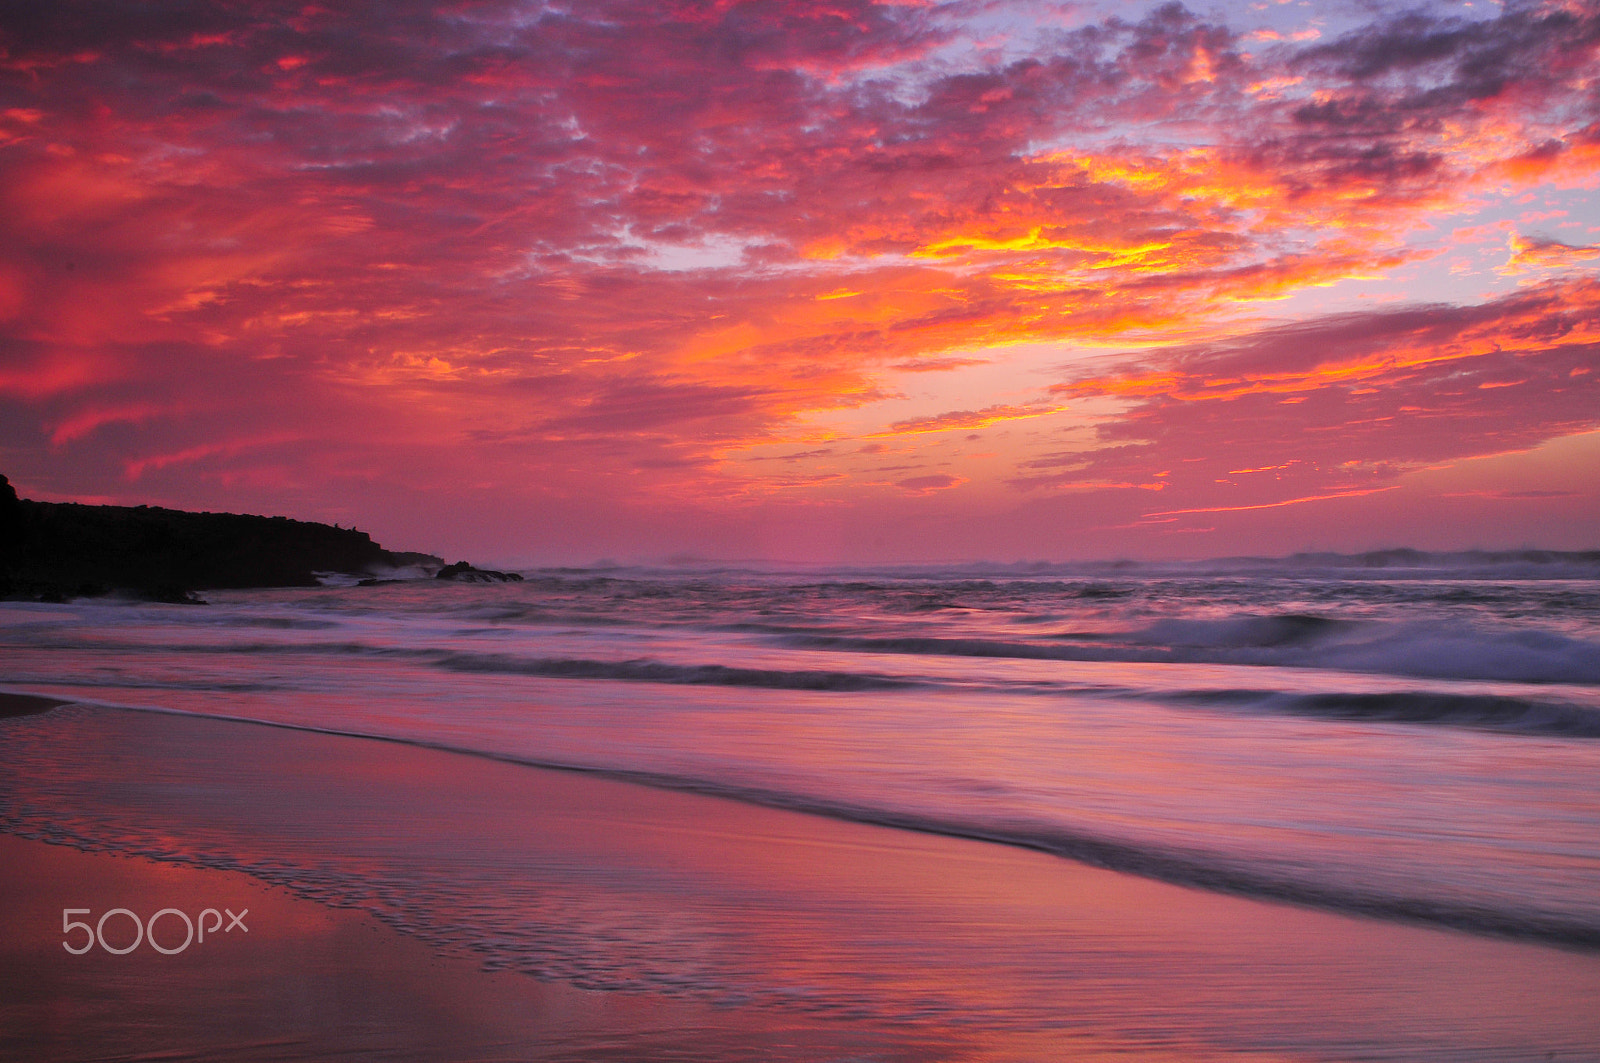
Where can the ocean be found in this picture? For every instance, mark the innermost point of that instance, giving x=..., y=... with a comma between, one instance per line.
x=1409, y=738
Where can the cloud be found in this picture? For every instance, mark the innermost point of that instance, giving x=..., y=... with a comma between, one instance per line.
x=1530, y=253
x=617, y=243
x=1343, y=406
x=925, y=485
x=968, y=419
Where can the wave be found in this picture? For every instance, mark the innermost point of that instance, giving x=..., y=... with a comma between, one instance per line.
x=1194, y=868
x=1479, y=711
x=1459, y=651
x=1427, y=649
x=937, y=646
x=1285, y=629
x=1435, y=650
x=1482, y=564
x=280, y=623
x=652, y=671
x=1402, y=563
x=638, y=670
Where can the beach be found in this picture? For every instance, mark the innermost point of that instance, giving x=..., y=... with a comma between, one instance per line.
x=420, y=904
x=1285, y=811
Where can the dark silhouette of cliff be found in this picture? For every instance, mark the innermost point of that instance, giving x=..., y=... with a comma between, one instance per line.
x=52, y=551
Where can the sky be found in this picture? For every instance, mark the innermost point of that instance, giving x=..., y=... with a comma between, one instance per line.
x=838, y=282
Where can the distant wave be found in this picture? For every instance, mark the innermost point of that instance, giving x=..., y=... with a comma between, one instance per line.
x=1244, y=632
x=1481, y=711
x=1438, y=650
x=651, y=671
x=1433, y=649
x=1487, y=564
x=282, y=623
x=1203, y=870
x=638, y=670
x=1427, y=649
x=951, y=647
x=1393, y=564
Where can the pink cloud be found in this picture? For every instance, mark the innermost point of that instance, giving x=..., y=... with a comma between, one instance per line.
x=605, y=247
x=1344, y=406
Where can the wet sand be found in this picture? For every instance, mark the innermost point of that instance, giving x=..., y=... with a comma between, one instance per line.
x=419, y=904
x=308, y=981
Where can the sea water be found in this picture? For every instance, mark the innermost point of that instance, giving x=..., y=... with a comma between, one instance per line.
x=1412, y=740
x=1415, y=736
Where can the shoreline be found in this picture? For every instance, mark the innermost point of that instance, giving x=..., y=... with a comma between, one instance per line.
x=1173, y=868
x=721, y=925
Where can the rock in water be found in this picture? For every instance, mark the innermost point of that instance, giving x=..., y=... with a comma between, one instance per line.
x=462, y=572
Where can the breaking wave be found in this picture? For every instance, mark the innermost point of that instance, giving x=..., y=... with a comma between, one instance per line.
x=1435, y=650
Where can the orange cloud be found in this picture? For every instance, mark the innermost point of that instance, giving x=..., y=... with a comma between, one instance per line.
x=1536, y=253
x=969, y=419
x=602, y=253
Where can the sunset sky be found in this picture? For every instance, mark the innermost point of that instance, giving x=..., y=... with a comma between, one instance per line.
x=833, y=281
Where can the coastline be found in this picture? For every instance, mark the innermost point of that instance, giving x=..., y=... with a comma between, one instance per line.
x=673, y=925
